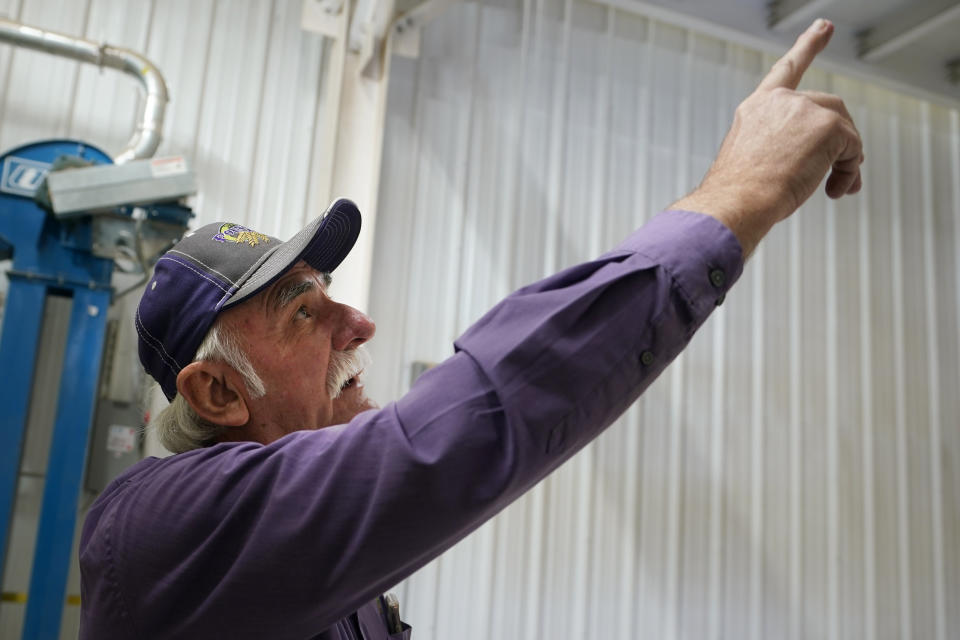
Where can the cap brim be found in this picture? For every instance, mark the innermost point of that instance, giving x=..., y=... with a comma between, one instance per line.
x=323, y=244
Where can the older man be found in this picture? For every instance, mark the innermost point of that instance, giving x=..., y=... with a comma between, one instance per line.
x=272, y=523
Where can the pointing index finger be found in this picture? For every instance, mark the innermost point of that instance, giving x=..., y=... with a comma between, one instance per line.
x=788, y=70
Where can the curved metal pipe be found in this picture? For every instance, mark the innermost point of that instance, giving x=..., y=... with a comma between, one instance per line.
x=146, y=137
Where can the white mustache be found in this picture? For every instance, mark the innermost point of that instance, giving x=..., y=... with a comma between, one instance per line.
x=344, y=365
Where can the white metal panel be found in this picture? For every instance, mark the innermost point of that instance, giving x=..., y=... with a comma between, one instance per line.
x=793, y=474
x=38, y=88
x=105, y=104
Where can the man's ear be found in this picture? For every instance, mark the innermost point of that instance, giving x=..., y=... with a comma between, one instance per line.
x=213, y=389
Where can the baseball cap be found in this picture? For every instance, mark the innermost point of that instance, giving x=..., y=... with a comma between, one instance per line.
x=218, y=266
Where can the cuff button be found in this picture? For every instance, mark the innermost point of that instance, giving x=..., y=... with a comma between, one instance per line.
x=646, y=358
x=718, y=278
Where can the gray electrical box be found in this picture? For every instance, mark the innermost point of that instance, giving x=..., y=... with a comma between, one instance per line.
x=116, y=436
x=116, y=441
x=83, y=190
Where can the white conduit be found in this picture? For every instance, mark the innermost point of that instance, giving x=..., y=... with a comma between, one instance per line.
x=146, y=137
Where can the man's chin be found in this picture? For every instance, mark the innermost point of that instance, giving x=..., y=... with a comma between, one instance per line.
x=352, y=401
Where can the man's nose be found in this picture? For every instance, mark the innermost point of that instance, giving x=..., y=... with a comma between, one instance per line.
x=354, y=329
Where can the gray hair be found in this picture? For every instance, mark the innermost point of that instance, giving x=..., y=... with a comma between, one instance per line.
x=178, y=427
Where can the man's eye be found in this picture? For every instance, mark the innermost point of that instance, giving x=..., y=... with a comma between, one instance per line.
x=302, y=312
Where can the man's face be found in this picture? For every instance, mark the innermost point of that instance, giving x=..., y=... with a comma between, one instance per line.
x=292, y=331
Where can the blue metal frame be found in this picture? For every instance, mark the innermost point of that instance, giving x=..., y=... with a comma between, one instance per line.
x=75, y=405
x=18, y=347
x=48, y=254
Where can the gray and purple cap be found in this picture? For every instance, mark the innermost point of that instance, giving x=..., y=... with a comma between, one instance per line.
x=221, y=265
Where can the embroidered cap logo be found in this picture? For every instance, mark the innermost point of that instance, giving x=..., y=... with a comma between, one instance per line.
x=238, y=234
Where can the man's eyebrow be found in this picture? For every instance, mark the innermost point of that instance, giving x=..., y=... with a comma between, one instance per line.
x=289, y=292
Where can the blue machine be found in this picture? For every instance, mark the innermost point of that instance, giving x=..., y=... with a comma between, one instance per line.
x=54, y=256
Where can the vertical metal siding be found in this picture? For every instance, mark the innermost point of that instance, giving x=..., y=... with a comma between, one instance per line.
x=794, y=474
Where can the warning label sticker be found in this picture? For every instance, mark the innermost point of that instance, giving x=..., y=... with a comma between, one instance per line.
x=121, y=439
x=170, y=166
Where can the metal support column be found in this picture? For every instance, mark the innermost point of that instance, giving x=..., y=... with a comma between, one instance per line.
x=75, y=405
x=59, y=248
x=18, y=344
x=48, y=255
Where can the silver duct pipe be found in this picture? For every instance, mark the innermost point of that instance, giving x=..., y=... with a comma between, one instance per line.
x=146, y=138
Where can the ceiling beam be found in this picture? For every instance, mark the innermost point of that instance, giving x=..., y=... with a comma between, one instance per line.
x=902, y=28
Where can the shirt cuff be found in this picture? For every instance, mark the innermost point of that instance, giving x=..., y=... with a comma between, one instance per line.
x=700, y=252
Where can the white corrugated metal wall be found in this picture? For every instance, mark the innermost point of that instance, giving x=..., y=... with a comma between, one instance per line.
x=795, y=474
x=791, y=476
x=246, y=87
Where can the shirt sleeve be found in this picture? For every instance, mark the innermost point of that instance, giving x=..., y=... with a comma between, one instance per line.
x=296, y=534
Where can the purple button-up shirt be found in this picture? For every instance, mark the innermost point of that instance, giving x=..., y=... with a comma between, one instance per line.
x=242, y=540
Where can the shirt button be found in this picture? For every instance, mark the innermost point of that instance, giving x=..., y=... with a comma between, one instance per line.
x=718, y=278
x=646, y=358
x=721, y=299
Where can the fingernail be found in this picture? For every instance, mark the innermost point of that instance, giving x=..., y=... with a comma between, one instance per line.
x=819, y=24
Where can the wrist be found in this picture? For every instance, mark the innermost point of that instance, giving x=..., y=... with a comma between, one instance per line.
x=745, y=212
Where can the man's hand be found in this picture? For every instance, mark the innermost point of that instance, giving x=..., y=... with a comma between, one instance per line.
x=780, y=146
